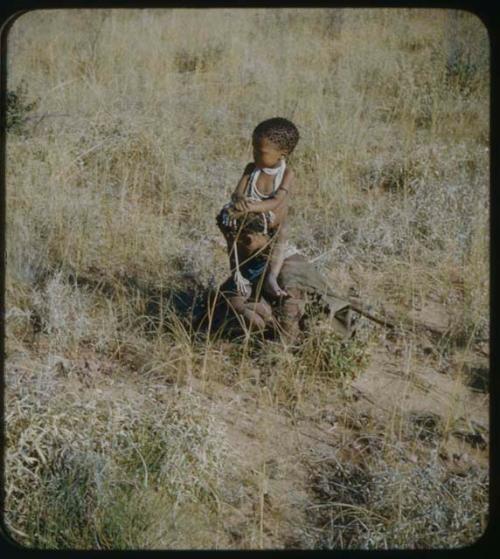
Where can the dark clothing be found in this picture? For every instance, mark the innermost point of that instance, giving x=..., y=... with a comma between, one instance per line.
x=253, y=270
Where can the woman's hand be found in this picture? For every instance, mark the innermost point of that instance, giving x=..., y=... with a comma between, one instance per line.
x=229, y=218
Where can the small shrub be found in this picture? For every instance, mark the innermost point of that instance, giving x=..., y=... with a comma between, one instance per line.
x=185, y=61
x=89, y=471
x=427, y=427
x=18, y=107
x=326, y=353
x=390, y=503
x=461, y=70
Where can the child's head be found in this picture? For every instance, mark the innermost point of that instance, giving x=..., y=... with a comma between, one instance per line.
x=273, y=140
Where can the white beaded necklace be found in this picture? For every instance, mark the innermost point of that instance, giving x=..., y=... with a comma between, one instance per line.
x=273, y=170
x=277, y=172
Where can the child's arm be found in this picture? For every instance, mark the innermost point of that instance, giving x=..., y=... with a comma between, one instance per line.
x=277, y=199
x=239, y=193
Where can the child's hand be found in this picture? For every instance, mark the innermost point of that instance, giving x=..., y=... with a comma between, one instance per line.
x=240, y=202
x=231, y=218
x=241, y=206
x=272, y=287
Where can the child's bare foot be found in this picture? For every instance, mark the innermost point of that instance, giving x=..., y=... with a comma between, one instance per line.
x=272, y=287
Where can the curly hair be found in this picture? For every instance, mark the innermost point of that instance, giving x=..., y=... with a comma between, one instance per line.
x=280, y=131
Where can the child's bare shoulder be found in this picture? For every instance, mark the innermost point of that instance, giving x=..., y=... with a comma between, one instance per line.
x=249, y=168
x=288, y=180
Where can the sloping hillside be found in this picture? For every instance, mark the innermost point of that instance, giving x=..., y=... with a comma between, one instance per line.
x=128, y=130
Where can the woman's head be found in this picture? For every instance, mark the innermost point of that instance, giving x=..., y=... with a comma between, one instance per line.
x=253, y=232
x=273, y=140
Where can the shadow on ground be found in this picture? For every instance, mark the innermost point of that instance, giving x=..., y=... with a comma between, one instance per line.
x=199, y=309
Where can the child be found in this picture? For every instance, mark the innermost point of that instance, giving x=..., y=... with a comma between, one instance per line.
x=263, y=189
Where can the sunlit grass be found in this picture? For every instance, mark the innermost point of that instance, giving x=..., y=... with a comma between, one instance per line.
x=128, y=429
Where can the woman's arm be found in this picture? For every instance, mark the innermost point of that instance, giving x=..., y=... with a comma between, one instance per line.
x=228, y=236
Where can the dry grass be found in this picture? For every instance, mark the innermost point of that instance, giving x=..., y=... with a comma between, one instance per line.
x=126, y=430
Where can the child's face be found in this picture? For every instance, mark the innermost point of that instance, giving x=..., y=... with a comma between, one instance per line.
x=267, y=154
